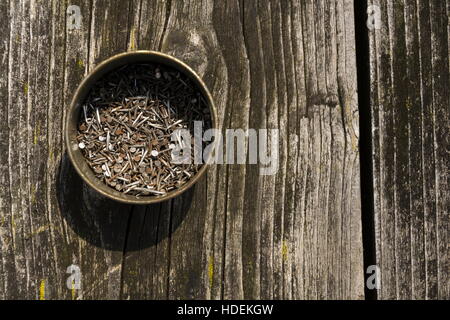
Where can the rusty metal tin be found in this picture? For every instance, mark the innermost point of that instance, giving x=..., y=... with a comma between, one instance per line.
x=72, y=117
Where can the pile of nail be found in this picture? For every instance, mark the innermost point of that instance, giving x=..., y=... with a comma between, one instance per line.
x=127, y=123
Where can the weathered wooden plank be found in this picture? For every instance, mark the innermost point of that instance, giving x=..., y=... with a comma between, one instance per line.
x=410, y=103
x=17, y=220
x=7, y=276
x=44, y=227
x=286, y=65
x=43, y=260
x=97, y=226
x=146, y=255
x=248, y=252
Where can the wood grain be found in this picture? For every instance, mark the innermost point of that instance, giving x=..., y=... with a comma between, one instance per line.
x=409, y=66
x=287, y=65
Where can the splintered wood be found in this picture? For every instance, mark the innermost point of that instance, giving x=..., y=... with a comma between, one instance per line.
x=126, y=128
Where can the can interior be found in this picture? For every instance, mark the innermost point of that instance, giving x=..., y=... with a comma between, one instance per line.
x=75, y=112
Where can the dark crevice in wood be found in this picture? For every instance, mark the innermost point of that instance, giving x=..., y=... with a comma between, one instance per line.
x=129, y=23
x=138, y=37
x=169, y=247
x=365, y=141
x=61, y=119
x=5, y=191
x=222, y=289
x=124, y=251
x=241, y=9
x=155, y=257
x=305, y=68
x=166, y=22
x=89, y=35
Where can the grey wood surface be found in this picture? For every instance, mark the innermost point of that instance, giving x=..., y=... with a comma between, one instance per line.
x=269, y=64
x=279, y=64
x=409, y=66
